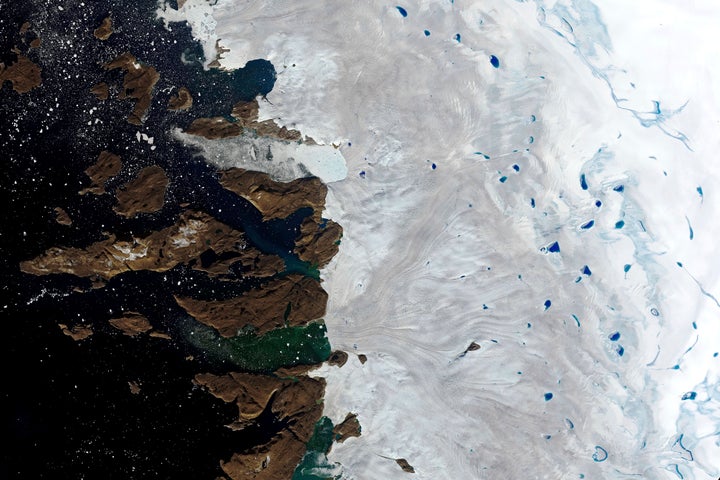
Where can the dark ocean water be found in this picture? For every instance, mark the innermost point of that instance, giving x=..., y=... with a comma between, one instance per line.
x=69, y=409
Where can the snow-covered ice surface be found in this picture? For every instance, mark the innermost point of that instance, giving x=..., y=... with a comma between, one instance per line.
x=560, y=210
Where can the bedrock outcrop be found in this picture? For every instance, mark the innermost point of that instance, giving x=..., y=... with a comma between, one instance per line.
x=192, y=235
x=275, y=199
x=143, y=194
x=138, y=84
x=292, y=300
x=292, y=402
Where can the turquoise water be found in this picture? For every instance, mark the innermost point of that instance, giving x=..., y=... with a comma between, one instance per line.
x=315, y=465
x=283, y=347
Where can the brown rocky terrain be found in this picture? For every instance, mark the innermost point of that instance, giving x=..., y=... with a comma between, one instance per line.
x=318, y=243
x=247, y=114
x=350, y=427
x=214, y=128
x=295, y=371
x=319, y=239
x=291, y=401
x=101, y=91
x=131, y=324
x=76, y=332
x=143, y=194
x=182, y=101
x=204, y=243
x=23, y=74
x=292, y=300
x=338, y=358
x=219, y=56
x=275, y=199
x=138, y=84
x=105, y=29
x=252, y=266
x=193, y=234
x=163, y=335
x=62, y=217
x=405, y=465
x=290, y=395
x=107, y=166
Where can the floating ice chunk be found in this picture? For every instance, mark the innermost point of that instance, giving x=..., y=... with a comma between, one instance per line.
x=283, y=161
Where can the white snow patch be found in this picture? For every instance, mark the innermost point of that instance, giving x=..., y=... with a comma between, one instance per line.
x=434, y=258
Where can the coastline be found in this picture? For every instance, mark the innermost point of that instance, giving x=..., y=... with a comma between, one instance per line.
x=140, y=280
x=436, y=258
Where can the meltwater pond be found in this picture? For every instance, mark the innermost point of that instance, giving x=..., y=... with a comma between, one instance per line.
x=502, y=155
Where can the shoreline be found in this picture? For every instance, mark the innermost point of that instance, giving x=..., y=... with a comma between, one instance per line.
x=459, y=247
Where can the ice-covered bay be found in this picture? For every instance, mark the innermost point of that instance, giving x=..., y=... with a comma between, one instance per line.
x=559, y=210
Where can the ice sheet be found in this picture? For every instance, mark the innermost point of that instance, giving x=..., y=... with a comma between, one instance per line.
x=467, y=215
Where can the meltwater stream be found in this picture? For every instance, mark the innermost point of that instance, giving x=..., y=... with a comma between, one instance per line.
x=535, y=180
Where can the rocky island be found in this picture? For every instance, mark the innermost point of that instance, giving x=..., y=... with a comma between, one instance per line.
x=160, y=270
